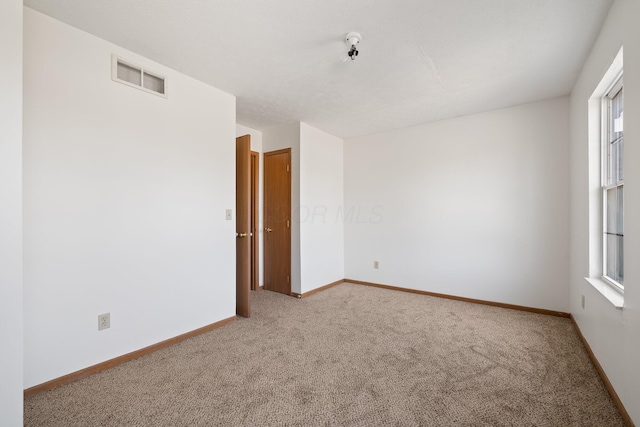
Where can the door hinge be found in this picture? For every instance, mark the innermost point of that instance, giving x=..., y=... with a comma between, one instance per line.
x=287, y=168
x=287, y=223
x=287, y=279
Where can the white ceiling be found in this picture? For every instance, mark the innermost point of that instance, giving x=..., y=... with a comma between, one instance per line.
x=420, y=60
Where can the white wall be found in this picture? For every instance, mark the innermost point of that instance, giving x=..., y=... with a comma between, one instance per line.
x=316, y=184
x=124, y=203
x=321, y=202
x=611, y=333
x=278, y=138
x=256, y=145
x=11, y=213
x=475, y=206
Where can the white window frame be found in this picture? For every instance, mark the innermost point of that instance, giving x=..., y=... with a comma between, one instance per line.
x=612, y=91
x=597, y=133
x=115, y=59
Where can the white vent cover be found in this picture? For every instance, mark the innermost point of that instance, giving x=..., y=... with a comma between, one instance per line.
x=136, y=76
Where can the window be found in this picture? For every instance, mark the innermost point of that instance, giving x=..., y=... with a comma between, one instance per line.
x=136, y=76
x=613, y=185
x=606, y=185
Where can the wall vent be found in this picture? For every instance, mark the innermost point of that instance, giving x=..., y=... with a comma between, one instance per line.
x=137, y=76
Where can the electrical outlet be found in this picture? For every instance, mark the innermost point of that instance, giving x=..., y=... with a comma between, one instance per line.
x=582, y=301
x=104, y=321
x=375, y=264
x=228, y=215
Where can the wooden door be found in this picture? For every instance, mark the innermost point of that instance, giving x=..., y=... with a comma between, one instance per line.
x=255, y=185
x=243, y=224
x=277, y=221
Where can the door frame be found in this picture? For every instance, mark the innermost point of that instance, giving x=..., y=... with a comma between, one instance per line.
x=255, y=220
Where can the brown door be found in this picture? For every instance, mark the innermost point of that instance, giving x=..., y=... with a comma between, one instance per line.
x=255, y=183
x=243, y=224
x=277, y=221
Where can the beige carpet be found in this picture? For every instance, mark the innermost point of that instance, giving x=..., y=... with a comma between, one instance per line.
x=350, y=356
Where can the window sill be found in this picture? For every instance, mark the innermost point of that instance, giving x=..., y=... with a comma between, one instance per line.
x=612, y=295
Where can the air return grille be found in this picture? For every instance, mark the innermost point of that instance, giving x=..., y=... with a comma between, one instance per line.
x=136, y=76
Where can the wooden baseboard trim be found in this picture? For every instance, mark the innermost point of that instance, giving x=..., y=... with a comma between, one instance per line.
x=471, y=300
x=315, y=291
x=616, y=399
x=74, y=376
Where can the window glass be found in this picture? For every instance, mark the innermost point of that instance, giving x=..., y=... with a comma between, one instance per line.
x=613, y=186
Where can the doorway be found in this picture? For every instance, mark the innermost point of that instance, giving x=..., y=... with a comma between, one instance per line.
x=277, y=221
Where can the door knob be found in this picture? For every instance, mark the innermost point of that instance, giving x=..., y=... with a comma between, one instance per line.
x=268, y=230
x=241, y=234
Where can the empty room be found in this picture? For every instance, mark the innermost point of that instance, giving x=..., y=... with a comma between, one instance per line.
x=414, y=212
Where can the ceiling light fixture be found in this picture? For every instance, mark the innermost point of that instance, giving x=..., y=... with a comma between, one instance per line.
x=353, y=39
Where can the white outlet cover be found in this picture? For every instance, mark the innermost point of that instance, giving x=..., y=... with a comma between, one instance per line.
x=229, y=215
x=104, y=321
